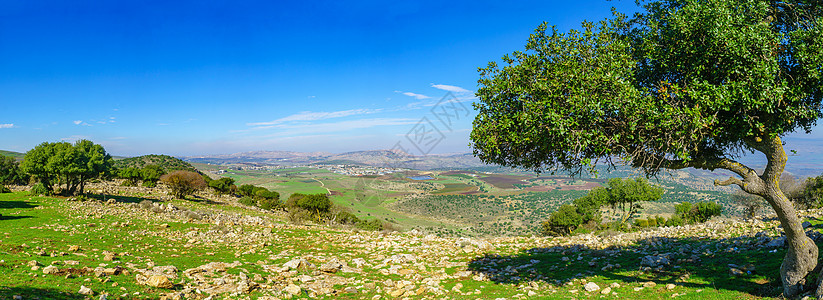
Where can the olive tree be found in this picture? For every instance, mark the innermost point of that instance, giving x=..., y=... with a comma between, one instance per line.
x=681, y=84
x=183, y=183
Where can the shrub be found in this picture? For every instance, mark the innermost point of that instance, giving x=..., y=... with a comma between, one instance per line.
x=39, y=189
x=4, y=189
x=344, y=217
x=268, y=204
x=149, y=184
x=223, y=185
x=675, y=220
x=130, y=174
x=697, y=213
x=812, y=194
x=183, y=183
x=563, y=221
x=370, y=225
x=246, y=190
x=248, y=201
x=641, y=223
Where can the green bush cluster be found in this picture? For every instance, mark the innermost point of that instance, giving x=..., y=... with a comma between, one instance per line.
x=4, y=189
x=697, y=213
x=223, y=185
x=659, y=221
x=39, y=189
x=10, y=172
x=149, y=175
x=620, y=193
x=257, y=196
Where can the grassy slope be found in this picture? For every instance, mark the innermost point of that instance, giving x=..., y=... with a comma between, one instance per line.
x=16, y=155
x=53, y=225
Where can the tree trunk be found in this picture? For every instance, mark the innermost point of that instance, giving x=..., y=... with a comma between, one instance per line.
x=801, y=257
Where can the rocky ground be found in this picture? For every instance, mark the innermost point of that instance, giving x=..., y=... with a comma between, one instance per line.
x=126, y=246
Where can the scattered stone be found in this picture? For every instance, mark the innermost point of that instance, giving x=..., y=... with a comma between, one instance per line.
x=292, y=289
x=776, y=243
x=591, y=287
x=331, y=267
x=614, y=285
x=159, y=281
x=85, y=291
x=649, y=284
x=51, y=270
x=654, y=261
x=606, y=291
x=670, y=286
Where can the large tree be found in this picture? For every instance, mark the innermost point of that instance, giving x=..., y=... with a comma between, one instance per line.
x=71, y=165
x=680, y=84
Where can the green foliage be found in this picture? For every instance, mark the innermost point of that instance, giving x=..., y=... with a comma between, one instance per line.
x=269, y=203
x=812, y=195
x=183, y=183
x=39, y=189
x=697, y=81
x=588, y=207
x=675, y=220
x=4, y=189
x=223, y=185
x=248, y=201
x=345, y=217
x=246, y=190
x=627, y=193
x=151, y=173
x=130, y=174
x=563, y=221
x=697, y=213
x=62, y=162
x=164, y=162
x=10, y=172
x=370, y=225
x=149, y=184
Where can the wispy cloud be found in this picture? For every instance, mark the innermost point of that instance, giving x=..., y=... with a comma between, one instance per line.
x=315, y=116
x=450, y=88
x=416, y=96
x=6, y=125
x=81, y=123
x=75, y=138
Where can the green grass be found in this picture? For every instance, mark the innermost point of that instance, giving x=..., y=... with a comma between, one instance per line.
x=52, y=224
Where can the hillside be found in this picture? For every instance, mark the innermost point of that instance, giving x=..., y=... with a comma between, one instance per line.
x=166, y=162
x=16, y=155
x=138, y=246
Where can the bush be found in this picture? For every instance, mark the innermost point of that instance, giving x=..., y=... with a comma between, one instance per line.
x=39, y=189
x=149, y=184
x=4, y=189
x=641, y=223
x=248, y=201
x=697, y=213
x=223, y=185
x=370, y=225
x=563, y=221
x=268, y=204
x=675, y=220
x=183, y=183
x=344, y=217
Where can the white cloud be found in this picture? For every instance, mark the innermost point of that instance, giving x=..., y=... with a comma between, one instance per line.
x=416, y=96
x=450, y=88
x=6, y=125
x=81, y=123
x=315, y=116
x=75, y=138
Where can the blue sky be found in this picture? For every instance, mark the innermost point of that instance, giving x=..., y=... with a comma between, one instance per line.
x=210, y=77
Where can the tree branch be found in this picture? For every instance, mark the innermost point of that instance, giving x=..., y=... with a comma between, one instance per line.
x=729, y=181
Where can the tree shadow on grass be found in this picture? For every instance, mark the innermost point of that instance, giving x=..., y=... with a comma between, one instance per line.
x=692, y=262
x=37, y=293
x=18, y=204
x=4, y=218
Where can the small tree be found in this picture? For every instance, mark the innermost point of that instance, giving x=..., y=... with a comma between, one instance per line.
x=563, y=221
x=627, y=195
x=150, y=174
x=812, y=195
x=223, y=185
x=697, y=213
x=131, y=175
x=751, y=204
x=10, y=172
x=183, y=183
